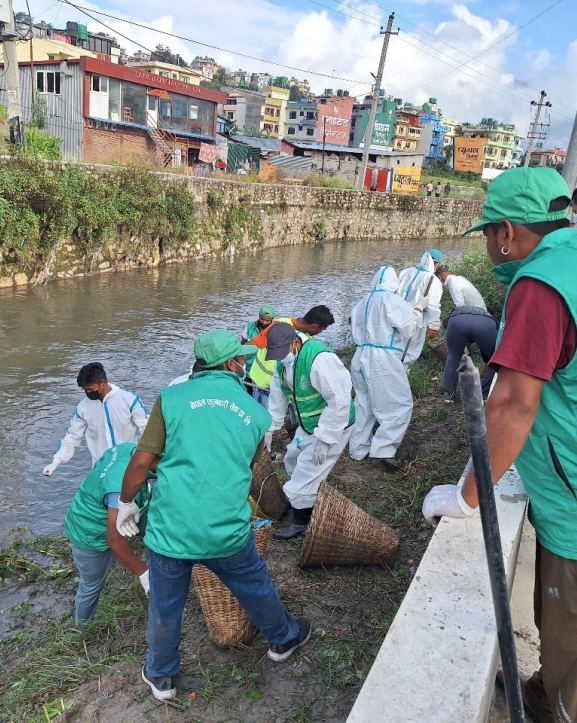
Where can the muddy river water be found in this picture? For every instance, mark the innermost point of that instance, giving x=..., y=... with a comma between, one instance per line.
x=141, y=325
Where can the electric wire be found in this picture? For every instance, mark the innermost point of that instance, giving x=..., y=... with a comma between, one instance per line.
x=88, y=11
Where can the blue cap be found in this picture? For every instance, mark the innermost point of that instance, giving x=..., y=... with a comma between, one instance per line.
x=436, y=255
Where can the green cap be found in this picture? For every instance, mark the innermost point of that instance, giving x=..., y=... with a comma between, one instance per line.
x=216, y=347
x=267, y=312
x=523, y=195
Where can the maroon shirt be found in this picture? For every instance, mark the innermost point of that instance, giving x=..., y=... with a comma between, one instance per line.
x=540, y=336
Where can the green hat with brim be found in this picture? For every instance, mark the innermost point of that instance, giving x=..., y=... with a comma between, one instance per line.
x=522, y=196
x=216, y=347
x=267, y=312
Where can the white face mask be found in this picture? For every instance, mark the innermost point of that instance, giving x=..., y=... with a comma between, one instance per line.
x=289, y=359
x=243, y=376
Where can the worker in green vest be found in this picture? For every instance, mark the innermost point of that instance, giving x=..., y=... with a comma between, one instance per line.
x=531, y=412
x=90, y=526
x=203, y=435
x=258, y=370
x=314, y=380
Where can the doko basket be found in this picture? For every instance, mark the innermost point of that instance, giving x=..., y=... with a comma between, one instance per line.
x=440, y=350
x=266, y=490
x=225, y=618
x=341, y=533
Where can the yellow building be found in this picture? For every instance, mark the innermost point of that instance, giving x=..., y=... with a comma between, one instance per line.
x=168, y=70
x=501, y=142
x=274, y=116
x=407, y=131
x=47, y=49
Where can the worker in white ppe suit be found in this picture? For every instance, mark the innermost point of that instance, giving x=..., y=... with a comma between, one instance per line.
x=413, y=283
x=382, y=323
x=317, y=383
x=107, y=417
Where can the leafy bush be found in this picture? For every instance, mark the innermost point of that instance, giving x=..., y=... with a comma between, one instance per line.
x=41, y=144
x=316, y=179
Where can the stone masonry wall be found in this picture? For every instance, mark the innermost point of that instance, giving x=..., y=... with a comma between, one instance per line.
x=235, y=216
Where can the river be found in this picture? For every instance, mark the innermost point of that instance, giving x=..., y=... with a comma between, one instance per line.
x=141, y=325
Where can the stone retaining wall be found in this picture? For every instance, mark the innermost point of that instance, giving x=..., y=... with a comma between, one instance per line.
x=234, y=216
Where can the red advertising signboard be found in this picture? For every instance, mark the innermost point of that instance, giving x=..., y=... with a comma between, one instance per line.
x=334, y=120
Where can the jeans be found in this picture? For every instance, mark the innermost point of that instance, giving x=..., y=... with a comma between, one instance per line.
x=261, y=396
x=464, y=330
x=93, y=568
x=246, y=576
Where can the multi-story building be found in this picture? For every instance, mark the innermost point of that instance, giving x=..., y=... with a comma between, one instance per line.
x=407, y=130
x=107, y=113
x=168, y=70
x=274, y=110
x=326, y=117
x=552, y=157
x=502, y=141
x=244, y=108
x=206, y=66
x=141, y=56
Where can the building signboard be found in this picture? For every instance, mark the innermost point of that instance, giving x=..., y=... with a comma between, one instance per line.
x=406, y=180
x=384, y=129
x=468, y=154
x=334, y=120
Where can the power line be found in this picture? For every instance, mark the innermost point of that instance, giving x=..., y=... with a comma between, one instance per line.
x=505, y=89
x=87, y=12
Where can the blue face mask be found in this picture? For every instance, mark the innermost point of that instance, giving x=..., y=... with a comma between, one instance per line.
x=289, y=359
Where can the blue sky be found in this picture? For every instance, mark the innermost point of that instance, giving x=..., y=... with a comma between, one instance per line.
x=341, y=38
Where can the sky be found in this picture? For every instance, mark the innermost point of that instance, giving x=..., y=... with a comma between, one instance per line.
x=479, y=58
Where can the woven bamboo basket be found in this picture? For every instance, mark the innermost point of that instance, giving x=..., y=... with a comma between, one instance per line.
x=225, y=619
x=340, y=533
x=266, y=490
x=440, y=350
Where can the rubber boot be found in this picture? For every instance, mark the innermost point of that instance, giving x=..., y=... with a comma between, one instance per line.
x=297, y=526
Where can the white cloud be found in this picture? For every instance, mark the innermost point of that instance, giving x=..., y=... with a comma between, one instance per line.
x=318, y=40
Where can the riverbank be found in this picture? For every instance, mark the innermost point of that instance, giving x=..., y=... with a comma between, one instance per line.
x=48, y=666
x=70, y=220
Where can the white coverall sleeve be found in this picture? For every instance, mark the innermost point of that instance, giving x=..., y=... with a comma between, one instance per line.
x=433, y=312
x=405, y=319
x=139, y=414
x=277, y=403
x=72, y=439
x=331, y=378
x=456, y=291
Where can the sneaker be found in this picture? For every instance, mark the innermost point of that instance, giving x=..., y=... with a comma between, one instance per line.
x=448, y=398
x=278, y=653
x=162, y=688
x=391, y=464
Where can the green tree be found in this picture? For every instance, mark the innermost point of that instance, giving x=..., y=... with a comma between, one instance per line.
x=39, y=113
x=294, y=94
x=448, y=151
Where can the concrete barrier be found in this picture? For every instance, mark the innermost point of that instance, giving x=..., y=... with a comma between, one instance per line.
x=438, y=661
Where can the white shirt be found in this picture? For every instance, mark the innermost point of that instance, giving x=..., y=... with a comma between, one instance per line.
x=331, y=378
x=120, y=417
x=463, y=292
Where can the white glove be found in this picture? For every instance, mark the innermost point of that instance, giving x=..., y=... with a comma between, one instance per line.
x=50, y=468
x=320, y=453
x=128, y=516
x=422, y=303
x=268, y=441
x=446, y=501
x=144, y=581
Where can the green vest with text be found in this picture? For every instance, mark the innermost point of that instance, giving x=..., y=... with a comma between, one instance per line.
x=261, y=370
x=307, y=401
x=548, y=461
x=199, y=509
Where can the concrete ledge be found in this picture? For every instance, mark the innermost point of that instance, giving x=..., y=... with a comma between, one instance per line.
x=438, y=661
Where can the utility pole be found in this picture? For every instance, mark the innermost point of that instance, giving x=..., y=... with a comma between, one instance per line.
x=324, y=138
x=570, y=165
x=371, y=124
x=8, y=37
x=533, y=133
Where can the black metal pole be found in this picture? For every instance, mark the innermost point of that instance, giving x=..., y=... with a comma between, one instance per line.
x=472, y=397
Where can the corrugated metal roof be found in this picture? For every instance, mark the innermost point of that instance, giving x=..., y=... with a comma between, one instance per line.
x=334, y=148
x=265, y=144
x=291, y=162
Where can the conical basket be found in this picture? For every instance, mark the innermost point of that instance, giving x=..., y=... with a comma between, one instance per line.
x=440, y=350
x=340, y=533
x=266, y=490
x=225, y=619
